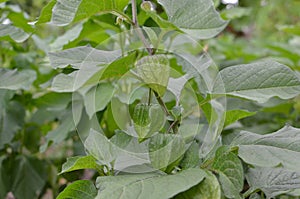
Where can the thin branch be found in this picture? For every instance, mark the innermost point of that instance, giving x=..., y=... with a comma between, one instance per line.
x=150, y=50
x=138, y=30
x=162, y=104
x=173, y=126
x=134, y=13
x=149, y=96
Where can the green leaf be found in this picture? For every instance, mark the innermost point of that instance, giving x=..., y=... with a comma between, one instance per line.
x=236, y=12
x=12, y=116
x=81, y=189
x=79, y=162
x=77, y=79
x=54, y=101
x=12, y=32
x=46, y=12
x=197, y=18
x=2, y=183
x=148, y=185
x=69, y=36
x=176, y=85
x=97, y=98
x=19, y=20
x=100, y=147
x=275, y=149
x=24, y=176
x=69, y=120
x=273, y=181
x=209, y=188
x=230, y=170
x=14, y=80
x=90, y=63
x=293, y=29
x=255, y=196
x=201, y=68
x=191, y=157
x=235, y=115
x=165, y=149
x=119, y=67
x=82, y=57
x=259, y=81
x=63, y=12
x=154, y=71
x=160, y=21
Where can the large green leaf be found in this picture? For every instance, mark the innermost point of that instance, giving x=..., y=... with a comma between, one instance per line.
x=14, y=80
x=195, y=17
x=230, y=170
x=69, y=120
x=12, y=32
x=63, y=12
x=100, y=147
x=273, y=181
x=271, y=150
x=81, y=189
x=24, y=176
x=12, y=116
x=79, y=162
x=259, y=81
x=82, y=56
x=148, y=185
x=209, y=188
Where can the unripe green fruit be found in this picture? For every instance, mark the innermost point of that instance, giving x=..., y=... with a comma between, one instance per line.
x=141, y=115
x=147, y=120
x=147, y=6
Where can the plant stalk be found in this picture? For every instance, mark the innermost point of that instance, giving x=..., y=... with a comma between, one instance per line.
x=138, y=29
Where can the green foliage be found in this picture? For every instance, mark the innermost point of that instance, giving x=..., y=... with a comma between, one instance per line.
x=208, y=188
x=230, y=170
x=154, y=71
x=148, y=185
x=126, y=93
x=79, y=189
x=270, y=150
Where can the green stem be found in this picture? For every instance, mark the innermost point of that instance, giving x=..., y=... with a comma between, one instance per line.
x=150, y=50
x=149, y=96
x=249, y=192
x=207, y=163
x=138, y=30
x=162, y=104
x=173, y=126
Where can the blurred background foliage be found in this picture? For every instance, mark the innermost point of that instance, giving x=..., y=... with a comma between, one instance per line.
x=258, y=29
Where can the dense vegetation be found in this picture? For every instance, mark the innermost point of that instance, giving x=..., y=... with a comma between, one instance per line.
x=149, y=99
